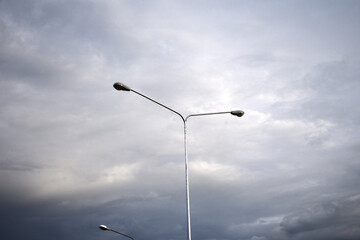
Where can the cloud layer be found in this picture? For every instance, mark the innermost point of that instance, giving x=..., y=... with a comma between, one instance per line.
x=75, y=153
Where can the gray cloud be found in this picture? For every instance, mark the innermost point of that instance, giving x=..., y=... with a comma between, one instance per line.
x=75, y=153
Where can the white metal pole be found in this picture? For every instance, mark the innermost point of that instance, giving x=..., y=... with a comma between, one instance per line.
x=187, y=186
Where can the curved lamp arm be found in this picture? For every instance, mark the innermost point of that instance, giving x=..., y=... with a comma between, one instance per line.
x=122, y=87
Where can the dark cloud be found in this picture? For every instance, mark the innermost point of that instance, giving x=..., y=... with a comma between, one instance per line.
x=331, y=220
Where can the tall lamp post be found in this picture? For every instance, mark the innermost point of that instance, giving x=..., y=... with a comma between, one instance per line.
x=122, y=87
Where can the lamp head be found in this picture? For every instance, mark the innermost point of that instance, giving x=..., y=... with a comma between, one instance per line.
x=237, y=113
x=104, y=228
x=121, y=87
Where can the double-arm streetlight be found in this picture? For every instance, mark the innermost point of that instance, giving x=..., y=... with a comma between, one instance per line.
x=122, y=87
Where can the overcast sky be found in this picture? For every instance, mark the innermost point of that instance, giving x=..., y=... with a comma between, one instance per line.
x=75, y=153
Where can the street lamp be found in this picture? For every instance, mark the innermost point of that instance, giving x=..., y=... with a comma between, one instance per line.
x=239, y=113
x=105, y=228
